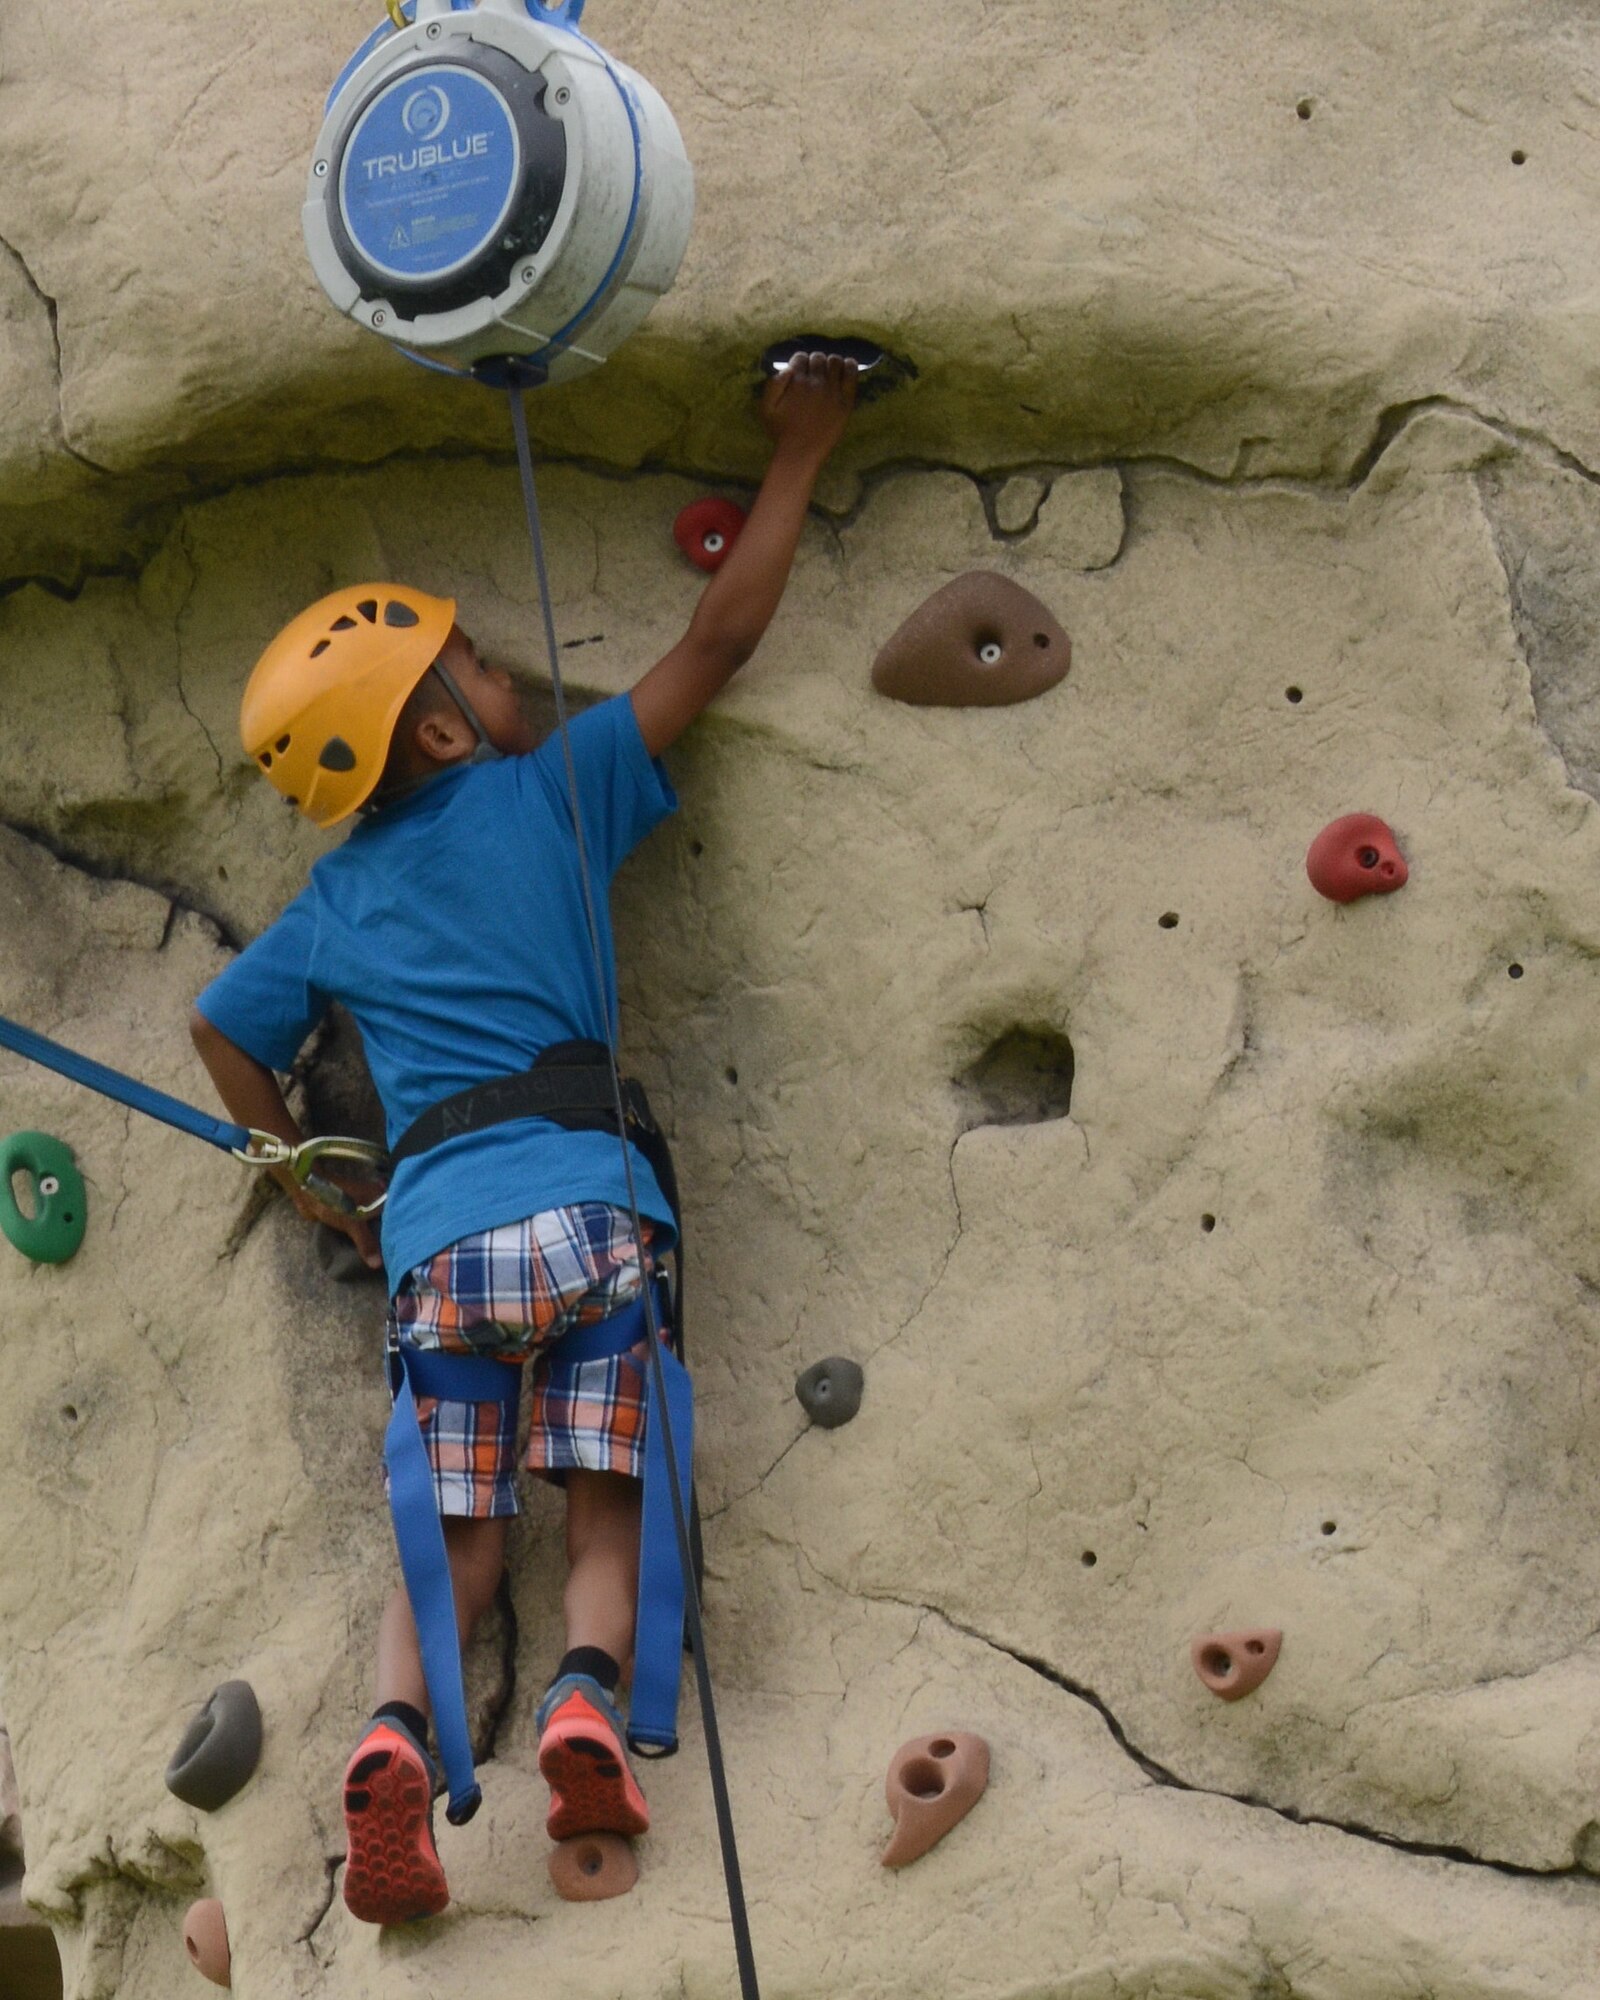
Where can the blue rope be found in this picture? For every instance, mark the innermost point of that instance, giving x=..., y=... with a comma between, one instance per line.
x=112, y=1083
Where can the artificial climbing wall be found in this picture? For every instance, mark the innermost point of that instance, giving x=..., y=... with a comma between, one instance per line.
x=1218, y=1257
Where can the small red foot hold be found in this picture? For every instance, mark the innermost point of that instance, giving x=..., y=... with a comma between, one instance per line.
x=1353, y=857
x=1234, y=1664
x=205, y=1939
x=933, y=1782
x=706, y=530
x=592, y=1867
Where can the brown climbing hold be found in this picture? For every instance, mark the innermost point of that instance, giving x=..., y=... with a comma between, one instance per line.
x=1353, y=857
x=1234, y=1664
x=592, y=1866
x=933, y=1782
x=980, y=642
x=205, y=1939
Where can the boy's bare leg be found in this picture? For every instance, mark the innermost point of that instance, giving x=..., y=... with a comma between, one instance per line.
x=477, y=1552
x=603, y=1514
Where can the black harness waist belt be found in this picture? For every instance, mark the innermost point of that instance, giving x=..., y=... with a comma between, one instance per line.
x=564, y=1092
x=570, y=1084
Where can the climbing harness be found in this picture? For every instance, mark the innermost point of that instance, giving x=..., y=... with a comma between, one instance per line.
x=244, y=1142
x=488, y=181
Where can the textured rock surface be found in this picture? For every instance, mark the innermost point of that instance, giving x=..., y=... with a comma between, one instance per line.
x=1219, y=1257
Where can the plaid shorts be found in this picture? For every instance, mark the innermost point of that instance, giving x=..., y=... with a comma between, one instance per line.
x=511, y=1293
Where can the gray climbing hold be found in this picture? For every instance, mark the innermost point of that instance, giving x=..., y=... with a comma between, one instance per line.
x=219, y=1750
x=830, y=1391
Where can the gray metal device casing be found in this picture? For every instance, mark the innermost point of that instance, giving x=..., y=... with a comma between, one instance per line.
x=566, y=277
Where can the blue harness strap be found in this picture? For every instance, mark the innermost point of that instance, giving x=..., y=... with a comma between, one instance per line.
x=419, y=1533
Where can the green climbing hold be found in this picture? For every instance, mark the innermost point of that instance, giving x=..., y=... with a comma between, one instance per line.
x=60, y=1201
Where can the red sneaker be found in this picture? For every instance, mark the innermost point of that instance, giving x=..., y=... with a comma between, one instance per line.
x=391, y=1871
x=581, y=1755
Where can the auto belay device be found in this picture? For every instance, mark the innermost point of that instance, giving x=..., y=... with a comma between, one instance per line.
x=489, y=183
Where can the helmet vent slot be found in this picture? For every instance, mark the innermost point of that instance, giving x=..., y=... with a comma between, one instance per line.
x=320, y=648
x=368, y=607
x=281, y=745
x=344, y=624
x=337, y=755
x=265, y=760
x=399, y=615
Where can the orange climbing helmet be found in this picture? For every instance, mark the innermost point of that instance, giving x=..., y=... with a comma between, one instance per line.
x=321, y=705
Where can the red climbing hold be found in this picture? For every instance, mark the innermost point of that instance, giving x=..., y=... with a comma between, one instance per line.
x=1353, y=857
x=706, y=530
x=933, y=1781
x=1233, y=1664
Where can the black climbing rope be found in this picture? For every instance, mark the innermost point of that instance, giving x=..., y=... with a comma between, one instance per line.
x=658, y=1394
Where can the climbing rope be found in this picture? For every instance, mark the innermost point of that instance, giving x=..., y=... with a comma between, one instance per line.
x=658, y=1394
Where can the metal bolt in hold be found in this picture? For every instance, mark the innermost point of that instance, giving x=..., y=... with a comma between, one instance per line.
x=380, y=317
x=529, y=273
x=433, y=31
x=563, y=95
x=320, y=169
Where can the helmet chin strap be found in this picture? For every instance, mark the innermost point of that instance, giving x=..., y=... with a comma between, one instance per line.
x=485, y=753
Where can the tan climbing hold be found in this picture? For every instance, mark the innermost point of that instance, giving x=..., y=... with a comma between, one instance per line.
x=933, y=1782
x=1234, y=1664
x=205, y=1939
x=593, y=1866
x=980, y=642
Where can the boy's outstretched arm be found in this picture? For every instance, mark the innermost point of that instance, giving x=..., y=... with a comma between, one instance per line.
x=253, y=1099
x=805, y=410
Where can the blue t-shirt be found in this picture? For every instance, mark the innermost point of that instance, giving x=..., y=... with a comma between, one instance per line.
x=451, y=925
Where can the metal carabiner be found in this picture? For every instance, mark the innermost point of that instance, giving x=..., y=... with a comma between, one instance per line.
x=268, y=1150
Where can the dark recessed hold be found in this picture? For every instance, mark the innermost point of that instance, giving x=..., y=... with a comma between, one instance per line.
x=980, y=642
x=340, y=1258
x=1023, y=1078
x=1513, y=971
x=880, y=371
x=830, y=1391
x=219, y=1750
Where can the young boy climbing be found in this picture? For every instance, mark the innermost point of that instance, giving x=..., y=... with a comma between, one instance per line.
x=451, y=925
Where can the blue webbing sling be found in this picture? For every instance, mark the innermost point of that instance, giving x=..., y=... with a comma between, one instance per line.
x=419, y=1532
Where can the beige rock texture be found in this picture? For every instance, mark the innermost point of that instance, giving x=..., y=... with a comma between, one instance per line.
x=1217, y=1257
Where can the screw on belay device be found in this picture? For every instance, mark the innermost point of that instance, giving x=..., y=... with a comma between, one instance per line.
x=488, y=182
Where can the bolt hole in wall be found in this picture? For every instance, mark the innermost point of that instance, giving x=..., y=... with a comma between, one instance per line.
x=1513, y=971
x=1330, y=1527
x=1208, y=1223
x=731, y=1074
x=1294, y=694
x=1168, y=921
x=1519, y=158
x=1088, y=1558
x=1305, y=107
